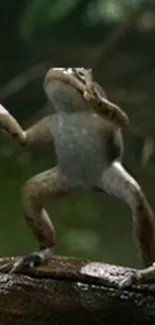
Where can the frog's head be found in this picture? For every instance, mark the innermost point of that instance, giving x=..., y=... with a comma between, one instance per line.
x=66, y=86
x=75, y=77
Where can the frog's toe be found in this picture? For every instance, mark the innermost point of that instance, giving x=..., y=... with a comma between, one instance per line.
x=32, y=261
x=130, y=279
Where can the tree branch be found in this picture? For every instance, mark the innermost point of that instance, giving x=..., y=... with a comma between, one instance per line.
x=72, y=291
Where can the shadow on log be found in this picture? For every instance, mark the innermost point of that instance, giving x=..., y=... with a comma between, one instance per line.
x=74, y=292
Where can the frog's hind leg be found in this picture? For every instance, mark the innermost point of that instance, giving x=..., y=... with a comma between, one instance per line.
x=50, y=183
x=116, y=181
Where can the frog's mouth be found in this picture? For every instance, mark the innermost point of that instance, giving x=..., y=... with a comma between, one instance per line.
x=66, y=76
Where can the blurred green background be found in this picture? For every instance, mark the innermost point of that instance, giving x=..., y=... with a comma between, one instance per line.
x=117, y=39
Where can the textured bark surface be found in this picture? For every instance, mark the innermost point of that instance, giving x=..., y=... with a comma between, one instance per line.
x=71, y=291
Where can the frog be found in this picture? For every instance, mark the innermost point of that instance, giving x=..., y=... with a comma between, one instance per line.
x=87, y=132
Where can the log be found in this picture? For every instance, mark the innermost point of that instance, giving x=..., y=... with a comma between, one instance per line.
x=73, y=291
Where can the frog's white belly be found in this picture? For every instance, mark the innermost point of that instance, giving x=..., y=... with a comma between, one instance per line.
x=80, y=149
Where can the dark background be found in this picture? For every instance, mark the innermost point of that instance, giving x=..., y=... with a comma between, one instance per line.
x=115, y=38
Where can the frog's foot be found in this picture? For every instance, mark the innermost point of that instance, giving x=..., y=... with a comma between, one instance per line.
x=32, y=260
x=139, y=276
x=134, y=277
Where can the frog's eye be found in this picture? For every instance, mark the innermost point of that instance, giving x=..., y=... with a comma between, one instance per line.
x=80, y=72
x=77, y=71
x=85, y=74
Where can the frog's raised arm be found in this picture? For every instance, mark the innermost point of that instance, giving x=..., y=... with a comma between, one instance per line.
x=39, y=131
x=10, y=125
x=105, y=108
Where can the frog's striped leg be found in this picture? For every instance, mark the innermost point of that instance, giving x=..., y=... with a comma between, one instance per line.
x=108, y=110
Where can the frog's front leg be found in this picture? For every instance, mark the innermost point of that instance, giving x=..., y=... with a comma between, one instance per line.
x=117, y=182
x=139, y=276
x=37, y=132
x=107, y=110
x=48, y=184
x=94, y=94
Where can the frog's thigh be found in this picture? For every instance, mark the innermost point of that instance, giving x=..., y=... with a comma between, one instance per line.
x=48, y=184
